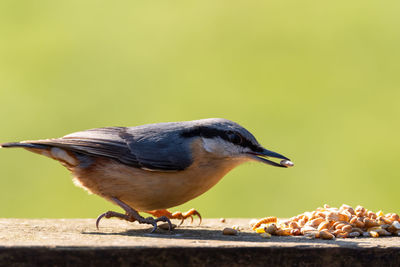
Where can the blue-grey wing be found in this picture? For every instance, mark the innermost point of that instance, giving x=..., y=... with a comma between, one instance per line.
x=141, y=148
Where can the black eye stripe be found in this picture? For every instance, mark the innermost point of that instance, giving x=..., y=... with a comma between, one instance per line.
x=234, y=138
x=209, y=132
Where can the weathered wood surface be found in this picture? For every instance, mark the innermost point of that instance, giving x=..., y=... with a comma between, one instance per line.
x=76, y=242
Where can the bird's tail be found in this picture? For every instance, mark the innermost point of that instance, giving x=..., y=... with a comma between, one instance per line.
x=24, y=144
x=66, y=158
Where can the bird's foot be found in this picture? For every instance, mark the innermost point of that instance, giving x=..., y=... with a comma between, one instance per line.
x=113, y=214
x=132, y=215
x=176, y=215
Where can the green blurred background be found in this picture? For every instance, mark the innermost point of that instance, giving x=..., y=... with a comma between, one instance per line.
x=315, y=81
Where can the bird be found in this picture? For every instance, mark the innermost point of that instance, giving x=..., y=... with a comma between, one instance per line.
x=154, y=167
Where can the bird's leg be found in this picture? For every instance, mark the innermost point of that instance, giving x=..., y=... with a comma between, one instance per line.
x=132, y=215
x=176, y=215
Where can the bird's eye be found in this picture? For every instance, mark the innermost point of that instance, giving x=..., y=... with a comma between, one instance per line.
x=235, y=138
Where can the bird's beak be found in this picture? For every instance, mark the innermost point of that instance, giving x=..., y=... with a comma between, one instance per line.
x=261, y=156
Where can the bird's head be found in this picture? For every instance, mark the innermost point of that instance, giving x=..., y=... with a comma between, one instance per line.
x=227, y=139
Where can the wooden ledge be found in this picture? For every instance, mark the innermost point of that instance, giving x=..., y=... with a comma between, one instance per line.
x=77, y=242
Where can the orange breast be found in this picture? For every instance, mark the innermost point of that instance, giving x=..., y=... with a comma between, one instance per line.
x=150, y=190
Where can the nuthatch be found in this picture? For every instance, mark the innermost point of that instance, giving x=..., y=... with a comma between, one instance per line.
x=153, y=167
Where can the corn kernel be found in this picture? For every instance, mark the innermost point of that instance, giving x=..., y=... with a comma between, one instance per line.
x=260, y=230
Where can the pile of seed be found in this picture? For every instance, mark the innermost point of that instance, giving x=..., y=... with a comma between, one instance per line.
x=328, y=223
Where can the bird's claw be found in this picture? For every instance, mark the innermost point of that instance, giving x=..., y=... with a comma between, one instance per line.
x=152, y=221
x=111, y=214
x=99, y=218
x=184, y=218
x=131, y=215
x=190, y=215
x=163, y=219
x=176, y=215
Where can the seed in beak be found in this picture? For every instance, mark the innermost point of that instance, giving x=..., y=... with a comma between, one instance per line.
x=287, y=163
